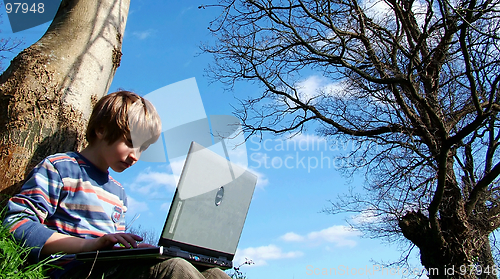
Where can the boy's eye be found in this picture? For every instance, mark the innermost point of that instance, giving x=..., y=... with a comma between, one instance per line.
x=129, y=142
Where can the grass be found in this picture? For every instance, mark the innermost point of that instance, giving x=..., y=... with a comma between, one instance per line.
x=13, y=258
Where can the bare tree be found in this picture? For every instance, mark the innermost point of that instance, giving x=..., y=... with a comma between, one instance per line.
x=415, y=81
x=47, y=92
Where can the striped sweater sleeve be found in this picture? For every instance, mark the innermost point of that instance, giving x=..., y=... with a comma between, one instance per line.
x=28, y=210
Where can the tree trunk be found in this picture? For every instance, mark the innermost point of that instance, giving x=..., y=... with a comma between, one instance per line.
x=460, y=248
x=460, y=257
x=434, y=256
x=47, y=93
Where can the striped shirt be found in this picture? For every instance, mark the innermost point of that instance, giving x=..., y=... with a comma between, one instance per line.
x=68, y=194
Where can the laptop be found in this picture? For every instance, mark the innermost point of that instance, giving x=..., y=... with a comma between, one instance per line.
x=206, y=217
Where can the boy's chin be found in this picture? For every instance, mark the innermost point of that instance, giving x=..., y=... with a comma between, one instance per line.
x=118, y=168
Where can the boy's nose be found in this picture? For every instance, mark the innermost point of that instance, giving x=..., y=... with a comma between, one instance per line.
x=135, y=154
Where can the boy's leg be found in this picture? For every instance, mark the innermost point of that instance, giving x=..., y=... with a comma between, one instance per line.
x=215, y=273
x=175, y=268
x=178, y=268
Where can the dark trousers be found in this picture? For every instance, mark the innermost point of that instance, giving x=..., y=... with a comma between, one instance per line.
x=175, y=268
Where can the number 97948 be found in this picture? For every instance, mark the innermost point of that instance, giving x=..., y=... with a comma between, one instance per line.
x=24, y=8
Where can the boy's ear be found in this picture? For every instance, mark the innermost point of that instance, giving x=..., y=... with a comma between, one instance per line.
x=99, y=133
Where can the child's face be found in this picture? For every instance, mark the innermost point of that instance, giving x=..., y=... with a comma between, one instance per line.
x=121, y=155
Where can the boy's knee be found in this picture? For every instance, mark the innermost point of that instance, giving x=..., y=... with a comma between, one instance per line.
x=215, y=273
x=178, y=262
x=176, y=267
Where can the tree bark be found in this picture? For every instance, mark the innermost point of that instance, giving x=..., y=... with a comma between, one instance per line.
x=47, y=93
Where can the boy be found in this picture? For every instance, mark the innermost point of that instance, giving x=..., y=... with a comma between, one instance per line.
x=70, y=204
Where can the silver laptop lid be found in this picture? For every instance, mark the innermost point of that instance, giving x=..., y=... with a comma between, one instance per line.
x=211, y=202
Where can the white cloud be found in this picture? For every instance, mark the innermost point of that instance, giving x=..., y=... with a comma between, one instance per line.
x=292, y=237
x=315, y=86
x=380, y=11
x=141, y=35
x=366, y=216
x=153, y=183
x=338, y=235
x=377, y=10
x=135, y=207
x=260, y=255
x=157, y=178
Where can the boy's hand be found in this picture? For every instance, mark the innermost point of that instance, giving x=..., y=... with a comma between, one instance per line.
x=68, y=244
x=108, y=241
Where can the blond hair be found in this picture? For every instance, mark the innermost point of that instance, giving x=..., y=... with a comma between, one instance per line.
x=124, y=114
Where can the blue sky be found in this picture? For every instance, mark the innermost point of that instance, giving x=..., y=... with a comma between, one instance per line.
x=285, y=233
